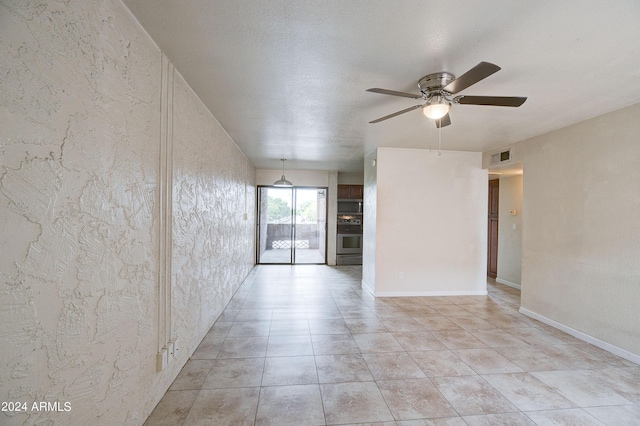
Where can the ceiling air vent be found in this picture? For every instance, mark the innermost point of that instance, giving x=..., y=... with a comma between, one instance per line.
x=501, y=157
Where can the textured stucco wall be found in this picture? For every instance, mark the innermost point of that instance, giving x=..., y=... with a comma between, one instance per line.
x=213, y=245
x=80, y=139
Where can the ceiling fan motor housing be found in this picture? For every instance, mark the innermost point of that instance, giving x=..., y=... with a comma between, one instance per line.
x=434, y=82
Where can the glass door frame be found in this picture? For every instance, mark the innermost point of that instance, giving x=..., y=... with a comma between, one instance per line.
x=292, y=257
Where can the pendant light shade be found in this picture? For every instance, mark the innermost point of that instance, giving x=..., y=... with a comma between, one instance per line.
x=282, y=181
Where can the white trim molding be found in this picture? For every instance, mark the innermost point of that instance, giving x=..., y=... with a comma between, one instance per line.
x=508, y=283
x=166, y=338
x=623, y=353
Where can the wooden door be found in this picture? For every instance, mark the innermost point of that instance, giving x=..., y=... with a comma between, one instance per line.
x=492, y=240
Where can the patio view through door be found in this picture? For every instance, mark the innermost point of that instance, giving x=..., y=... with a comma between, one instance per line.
x=292, y=225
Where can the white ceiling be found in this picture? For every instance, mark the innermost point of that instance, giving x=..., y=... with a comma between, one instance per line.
x=288, y=78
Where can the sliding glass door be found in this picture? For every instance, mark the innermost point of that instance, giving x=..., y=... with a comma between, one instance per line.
x=292, y=225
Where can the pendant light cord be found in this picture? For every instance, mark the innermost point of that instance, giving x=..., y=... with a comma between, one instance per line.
x=440, y=138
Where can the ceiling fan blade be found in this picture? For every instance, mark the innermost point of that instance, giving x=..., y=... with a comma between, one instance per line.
x=507, y=101
x=443, y=122
x=394, y=93
x=474, y=75
x=395, y=114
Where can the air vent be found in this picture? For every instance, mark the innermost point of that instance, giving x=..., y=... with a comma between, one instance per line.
x=501, y=157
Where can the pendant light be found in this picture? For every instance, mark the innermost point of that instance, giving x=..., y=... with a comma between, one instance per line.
x=282, y=181
x=436, y=108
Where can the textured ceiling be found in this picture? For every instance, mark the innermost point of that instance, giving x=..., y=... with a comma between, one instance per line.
x=288, y=78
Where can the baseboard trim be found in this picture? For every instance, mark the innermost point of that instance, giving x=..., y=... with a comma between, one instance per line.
x=508, y=283
x=623, y=353
x=429, y=293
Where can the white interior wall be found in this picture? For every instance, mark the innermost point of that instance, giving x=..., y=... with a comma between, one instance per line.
x=431, y=231
x=88, y=103
x=351, y=178
x=297, y=177
x=581, y=248
x=510, y=231
x=369, y=220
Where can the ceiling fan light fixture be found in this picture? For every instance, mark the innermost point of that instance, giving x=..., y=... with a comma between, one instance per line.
x=283, y=182
x=436, y=108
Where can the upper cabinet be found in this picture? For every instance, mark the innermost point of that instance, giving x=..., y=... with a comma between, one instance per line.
x=353, y=192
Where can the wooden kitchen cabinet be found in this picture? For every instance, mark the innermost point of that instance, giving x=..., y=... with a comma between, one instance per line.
x=353, y=192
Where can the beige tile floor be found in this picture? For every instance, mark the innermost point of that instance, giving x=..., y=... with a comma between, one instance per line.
x=305, y=345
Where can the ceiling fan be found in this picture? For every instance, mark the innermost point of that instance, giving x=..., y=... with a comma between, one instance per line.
x=437, y=90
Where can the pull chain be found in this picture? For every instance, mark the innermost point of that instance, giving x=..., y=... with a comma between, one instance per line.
x=440, y=138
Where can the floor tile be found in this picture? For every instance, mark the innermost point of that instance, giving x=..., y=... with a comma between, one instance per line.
x=447, y=310
x=249, y=328
x=209, y=347
x=441, y=364
x=470, y=322
x=386, y=312
x=327, y=344
x=486, y=361
x=504, y=321
x=418, y=341
x=402, y=324
x=531, y=359
x=247, y=314
x=193, y=375
x=228, y=315
x=619, y=415
x=473, y=395
x=365, y=325
x=574, y=357
x=289, y=328
x=497, y=338
x=443, y=421
x=507, y=419
x=377, y=342
x=342, y=368
x=580, y=389
x=612, y=359
x=527, y=393
x=414, y=399
x=624, y=381
x=234, y=372
x=534, y=336
x=458, y=339
x=290, y=405
x=220, y=328
x=289, y=370
x=289, y=346
x=236, y=406
x=437, y=323
x=172, y=408
x=359, y=402
x=392, y=365
x=243, y=347
x=282, y=353
x=569, y=417
x=328, y=326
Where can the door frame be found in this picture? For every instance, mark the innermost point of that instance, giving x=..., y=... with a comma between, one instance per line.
x=293, y=224
x=492, y=228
